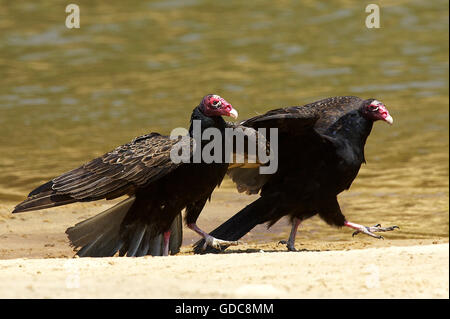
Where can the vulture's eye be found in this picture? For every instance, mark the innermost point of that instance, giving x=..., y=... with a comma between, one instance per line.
x=374, y=108
x=216, y=103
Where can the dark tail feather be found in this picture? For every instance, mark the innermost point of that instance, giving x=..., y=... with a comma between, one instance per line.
x=155, y=246
x=102, y=235
x=145, y=247
x=136, y=240
x=238, y=225
x=176, y=235
x=99, y=236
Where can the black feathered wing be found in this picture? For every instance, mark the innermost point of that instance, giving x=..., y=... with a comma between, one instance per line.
x=116, y=173
x=290, y=122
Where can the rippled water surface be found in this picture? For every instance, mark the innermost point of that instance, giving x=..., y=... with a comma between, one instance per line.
x=133, y=67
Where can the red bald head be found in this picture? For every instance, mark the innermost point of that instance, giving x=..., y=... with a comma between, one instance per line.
x=214, y=105
x=375, y=110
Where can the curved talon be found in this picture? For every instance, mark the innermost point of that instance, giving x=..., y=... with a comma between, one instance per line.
x=289, y=245
x=367, y=232
x=371, y=230
x=206, y=245
x=218, y=243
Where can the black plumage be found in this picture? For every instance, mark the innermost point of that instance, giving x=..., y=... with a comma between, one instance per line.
x=158, y=189
x=320, y=151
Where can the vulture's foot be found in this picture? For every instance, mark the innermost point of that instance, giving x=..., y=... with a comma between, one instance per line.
x=290, y=245
x=370, y=230
x=218, y=243
x=210, y=240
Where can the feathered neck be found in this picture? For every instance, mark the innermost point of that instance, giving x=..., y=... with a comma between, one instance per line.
x=206, y=121
x=353, y=129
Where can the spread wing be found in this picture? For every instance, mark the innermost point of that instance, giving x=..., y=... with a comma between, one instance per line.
x=132, y=165
x=291, y=122
x=116, y=173
x=294, y=120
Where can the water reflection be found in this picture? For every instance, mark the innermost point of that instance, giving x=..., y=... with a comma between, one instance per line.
x=67, y=96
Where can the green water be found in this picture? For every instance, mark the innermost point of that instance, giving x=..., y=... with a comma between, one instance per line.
x=68, y=95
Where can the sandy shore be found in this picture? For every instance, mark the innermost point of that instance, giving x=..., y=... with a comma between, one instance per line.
x=392, y=272
x=36, y=262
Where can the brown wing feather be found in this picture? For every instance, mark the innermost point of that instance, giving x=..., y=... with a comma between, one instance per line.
x=132, y=165
x=119, y=172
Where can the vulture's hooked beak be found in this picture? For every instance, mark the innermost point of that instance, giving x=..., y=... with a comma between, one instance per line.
x=234, y=113
x=389, y=119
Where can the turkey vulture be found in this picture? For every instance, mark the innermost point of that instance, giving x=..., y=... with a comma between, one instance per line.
x=158, y=189
x=320, y=151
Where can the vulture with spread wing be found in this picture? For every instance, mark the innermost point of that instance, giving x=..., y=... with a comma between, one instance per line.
x=158, y=189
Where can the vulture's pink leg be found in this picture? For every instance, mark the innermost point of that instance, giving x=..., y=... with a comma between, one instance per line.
x=210, y=240
x=290, y=243
x=369, y=230
x=166, y=243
